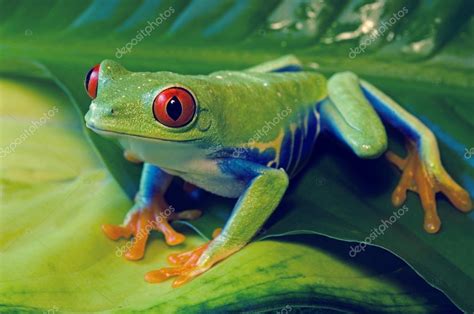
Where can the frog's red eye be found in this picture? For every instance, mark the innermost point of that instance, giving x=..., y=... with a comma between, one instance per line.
x=92, y=79
x=174, y=107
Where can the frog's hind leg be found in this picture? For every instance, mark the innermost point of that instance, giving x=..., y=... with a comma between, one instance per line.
x=422, y=169
x=352, y=113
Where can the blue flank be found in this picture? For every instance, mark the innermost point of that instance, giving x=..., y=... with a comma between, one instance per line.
x=295, y=150
x=241, y=169
x=245, y=153
x=308, y=129
x=296, y=147
x=285, y=151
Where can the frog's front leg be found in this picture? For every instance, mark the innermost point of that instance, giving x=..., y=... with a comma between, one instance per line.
x=150, y=212
x=348, y=113
x=265, y=188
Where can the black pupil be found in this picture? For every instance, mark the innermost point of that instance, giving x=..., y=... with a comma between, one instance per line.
x=174, y=108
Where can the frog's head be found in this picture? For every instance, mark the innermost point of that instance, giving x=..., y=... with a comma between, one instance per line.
x=160, y=106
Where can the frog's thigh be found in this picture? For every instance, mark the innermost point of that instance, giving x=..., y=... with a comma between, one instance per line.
x=348, y=114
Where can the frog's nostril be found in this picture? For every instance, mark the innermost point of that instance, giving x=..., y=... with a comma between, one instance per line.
x=101, y=110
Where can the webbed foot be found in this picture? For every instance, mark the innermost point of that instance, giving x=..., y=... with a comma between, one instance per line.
x=426, y=178
x=187, y=265
x=143, y=218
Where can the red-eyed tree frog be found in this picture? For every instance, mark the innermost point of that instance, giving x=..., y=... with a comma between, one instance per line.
x=204, y=129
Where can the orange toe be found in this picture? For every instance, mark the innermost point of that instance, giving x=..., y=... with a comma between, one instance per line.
x=162, y=274
x=456, y=194
x=187, y=257
x=171, y=236
x=181, y=280
x=416, y=177
x=116, y=232
x=140, y=224
x=186, y=266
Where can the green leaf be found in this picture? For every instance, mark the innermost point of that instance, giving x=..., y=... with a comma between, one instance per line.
x=424, y=61
x=55, y=195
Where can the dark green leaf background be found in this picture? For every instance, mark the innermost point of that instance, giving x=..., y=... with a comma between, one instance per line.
x=60, y=184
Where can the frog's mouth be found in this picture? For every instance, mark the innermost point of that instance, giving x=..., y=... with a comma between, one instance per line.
x=104, y=133
x=117, y=134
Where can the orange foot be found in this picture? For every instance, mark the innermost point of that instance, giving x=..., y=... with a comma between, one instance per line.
x=417, y=177
x=185, y=266
x=142, y=219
